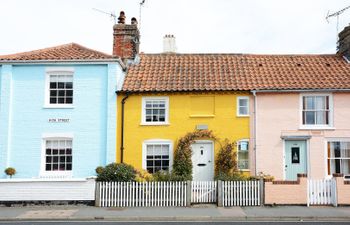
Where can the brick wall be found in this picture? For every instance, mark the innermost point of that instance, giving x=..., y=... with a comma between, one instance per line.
x=286, y=192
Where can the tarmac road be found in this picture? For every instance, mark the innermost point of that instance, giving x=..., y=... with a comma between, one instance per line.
x=171, y=223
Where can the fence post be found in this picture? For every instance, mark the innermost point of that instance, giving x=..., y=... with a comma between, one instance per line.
x=262, y=191
x=334, y=191
x=188, y=193
x=220, y=193
x=97, y=195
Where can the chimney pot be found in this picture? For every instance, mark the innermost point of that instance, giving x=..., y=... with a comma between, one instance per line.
x=134, y=21
x=121, y=18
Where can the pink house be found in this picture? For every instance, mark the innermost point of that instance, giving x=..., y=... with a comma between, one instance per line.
x=301, y=116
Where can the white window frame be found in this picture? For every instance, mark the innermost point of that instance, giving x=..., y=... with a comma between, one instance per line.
x=316, y=126
x=143, y=111
x=157, y=142
x=55, y=174
x=238, y=106
x=57, y=71
x=238, y=143
x=326, y=153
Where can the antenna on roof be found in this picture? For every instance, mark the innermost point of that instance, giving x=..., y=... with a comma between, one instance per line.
x=111, y=14
x=337, y=15
x=141, y=4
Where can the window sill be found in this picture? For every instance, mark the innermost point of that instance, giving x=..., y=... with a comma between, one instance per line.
x=154, y=124
x=243, y=115
x=202, y=116
x=58, y=106
x=244, y=170
x=316, y=128
x=56, y=175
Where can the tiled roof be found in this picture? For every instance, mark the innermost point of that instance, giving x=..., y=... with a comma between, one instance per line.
x=70, y=51
x=225, y=72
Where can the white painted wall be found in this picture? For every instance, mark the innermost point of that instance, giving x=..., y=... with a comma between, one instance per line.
x=47, y=189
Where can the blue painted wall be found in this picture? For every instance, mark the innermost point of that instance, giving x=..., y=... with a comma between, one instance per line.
x=24, y=119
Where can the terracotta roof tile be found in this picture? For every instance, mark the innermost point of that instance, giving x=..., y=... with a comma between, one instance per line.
x=70, y=51
x=225, y=72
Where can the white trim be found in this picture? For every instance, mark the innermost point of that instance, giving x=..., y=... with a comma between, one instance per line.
x=316, y=126
x=238, y=106
x=54, y=174
x=143, y=112
x=56, y=71
x=157, y=142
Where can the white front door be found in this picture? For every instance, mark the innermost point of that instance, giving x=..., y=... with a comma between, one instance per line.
x=203, y=161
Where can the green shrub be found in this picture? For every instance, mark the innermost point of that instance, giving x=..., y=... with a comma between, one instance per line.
x=226, y=162
x=167, y=176
x=99, y=169
x=231, y=176
x=116, y=172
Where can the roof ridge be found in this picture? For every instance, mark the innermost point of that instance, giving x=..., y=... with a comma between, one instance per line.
x=236, y=54
x=90, y=49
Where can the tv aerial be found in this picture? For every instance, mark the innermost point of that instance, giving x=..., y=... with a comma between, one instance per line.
x=111, y=14
x=337, y=15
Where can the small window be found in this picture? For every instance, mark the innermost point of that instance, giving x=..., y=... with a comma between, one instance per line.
x=242, y=106
x=157, y=156
x=315, y=110
x=58, y=155
x=61, y=89
x=243, y=154
x=155, y=110
x=338, y=157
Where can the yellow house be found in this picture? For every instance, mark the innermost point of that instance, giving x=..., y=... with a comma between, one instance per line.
x=166, y=96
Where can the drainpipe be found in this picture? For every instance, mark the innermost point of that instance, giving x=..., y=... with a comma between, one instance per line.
x=255, y=129
x=122, y=130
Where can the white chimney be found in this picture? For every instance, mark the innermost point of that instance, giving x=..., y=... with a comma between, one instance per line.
x=169, y=44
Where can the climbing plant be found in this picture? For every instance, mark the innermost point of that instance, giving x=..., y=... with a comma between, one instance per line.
x=182, y=167
x=225, y=162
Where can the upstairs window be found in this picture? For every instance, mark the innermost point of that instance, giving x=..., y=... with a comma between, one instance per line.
x=243, y=106
x=155, y=110
x=316, y=110
x=59, y=88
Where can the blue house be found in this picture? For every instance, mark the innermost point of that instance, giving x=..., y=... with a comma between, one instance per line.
x=58, y=111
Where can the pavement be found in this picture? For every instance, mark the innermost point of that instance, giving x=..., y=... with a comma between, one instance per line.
x=194, y=213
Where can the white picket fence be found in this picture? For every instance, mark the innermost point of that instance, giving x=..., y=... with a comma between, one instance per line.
x=241, y=193
x=204, y=192
x=146, y=194
x=322, y=192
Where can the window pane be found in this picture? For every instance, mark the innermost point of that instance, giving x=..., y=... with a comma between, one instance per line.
x=243, y=110
x=310, y=102
x=346, y=166
x=309, y=117
x=320, y=103
x=243, y=102
x=321, y=117
x=53, y=100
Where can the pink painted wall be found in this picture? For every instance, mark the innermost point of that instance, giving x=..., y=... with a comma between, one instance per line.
x=279, y=114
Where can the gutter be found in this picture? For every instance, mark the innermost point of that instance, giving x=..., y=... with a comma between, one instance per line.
x=122, y=129
x=302, y=90
x=255, y=129
x=72, y=61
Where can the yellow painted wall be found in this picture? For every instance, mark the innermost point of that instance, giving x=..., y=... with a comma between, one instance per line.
x=187, y=110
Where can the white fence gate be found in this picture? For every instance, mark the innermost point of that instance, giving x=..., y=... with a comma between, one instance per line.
x=241, y=193
x=322, y=192
x=204, y=192
x=147, y=194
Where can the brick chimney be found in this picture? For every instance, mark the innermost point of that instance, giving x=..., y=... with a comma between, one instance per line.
x=344, y=42
x=169, y=44
x=126, y=38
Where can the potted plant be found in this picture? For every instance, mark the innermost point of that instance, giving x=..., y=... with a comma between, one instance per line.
x=10, y=171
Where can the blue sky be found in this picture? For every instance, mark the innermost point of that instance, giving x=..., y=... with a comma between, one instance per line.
x=200, y=26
